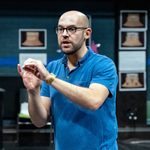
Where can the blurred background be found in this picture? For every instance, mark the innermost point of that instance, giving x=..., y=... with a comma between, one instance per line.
x=120, y=31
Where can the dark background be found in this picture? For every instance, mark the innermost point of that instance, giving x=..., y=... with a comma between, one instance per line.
x=17, y=14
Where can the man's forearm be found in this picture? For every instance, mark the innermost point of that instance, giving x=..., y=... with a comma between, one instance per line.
x=91, y=97
x=37, y=111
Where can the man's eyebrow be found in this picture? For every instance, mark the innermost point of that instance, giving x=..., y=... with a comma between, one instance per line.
x=67, y=26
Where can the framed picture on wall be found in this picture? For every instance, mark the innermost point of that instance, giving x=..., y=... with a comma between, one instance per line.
x=32, y=39
x=132, y=60
x=133, y=19
x=39, y=56
x=132, y=81
x=132, y=40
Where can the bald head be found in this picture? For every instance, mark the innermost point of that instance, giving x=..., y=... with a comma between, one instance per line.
x=73, y=16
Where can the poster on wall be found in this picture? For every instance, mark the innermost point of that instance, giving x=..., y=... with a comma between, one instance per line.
x=132, y=81
x=39, y=56
x=132, y=40
x=133, y=20
x=32, y=39
x=132, y=60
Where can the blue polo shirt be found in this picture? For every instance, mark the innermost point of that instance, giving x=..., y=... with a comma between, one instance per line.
x=75, y=127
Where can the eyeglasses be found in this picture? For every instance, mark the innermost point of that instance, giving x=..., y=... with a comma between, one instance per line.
x=69, y=30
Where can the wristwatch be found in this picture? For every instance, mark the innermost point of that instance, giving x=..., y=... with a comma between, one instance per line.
x=51, y=78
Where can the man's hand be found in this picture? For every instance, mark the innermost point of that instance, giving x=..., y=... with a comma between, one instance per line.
x=36, y=68
x=30, y=81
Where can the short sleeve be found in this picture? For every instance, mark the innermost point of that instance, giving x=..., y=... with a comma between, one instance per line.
x=104, y=73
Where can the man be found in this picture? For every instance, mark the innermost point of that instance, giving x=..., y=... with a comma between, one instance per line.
x=80, y=88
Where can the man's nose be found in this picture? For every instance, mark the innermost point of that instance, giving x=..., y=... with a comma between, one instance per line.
x=65, y=32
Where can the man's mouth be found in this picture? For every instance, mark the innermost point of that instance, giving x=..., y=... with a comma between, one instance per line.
x=65, y=44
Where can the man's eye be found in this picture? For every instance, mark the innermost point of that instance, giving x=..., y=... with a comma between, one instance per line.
x=60, y=29
x=71, y=29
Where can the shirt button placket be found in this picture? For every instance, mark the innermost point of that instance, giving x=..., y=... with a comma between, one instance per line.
x=67, y=73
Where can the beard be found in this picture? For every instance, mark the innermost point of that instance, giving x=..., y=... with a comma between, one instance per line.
x=73, y=48
x=70, y=51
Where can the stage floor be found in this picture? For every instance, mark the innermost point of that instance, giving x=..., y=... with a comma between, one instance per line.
x=130, y=144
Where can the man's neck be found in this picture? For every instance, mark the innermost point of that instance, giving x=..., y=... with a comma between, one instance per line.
x=73, y=59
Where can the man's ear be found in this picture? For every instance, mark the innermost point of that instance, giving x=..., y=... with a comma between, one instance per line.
x=88, y=33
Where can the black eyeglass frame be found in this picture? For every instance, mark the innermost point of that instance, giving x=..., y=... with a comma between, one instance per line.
x=67, y=29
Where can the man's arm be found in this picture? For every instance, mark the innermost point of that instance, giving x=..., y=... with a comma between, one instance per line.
x=38, y=109
x=38, y=106
x=92, y=97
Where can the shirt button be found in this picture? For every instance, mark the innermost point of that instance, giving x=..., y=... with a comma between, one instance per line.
x=67, y=77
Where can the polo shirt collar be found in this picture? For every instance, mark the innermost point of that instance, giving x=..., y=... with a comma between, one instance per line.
x=64, y=60
x=82, y=60
x=86, y=56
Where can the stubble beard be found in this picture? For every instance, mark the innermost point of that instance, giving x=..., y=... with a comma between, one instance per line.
x=74, y=48
x=71, y=51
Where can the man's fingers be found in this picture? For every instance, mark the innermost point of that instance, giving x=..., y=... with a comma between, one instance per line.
x=19, y=70
x=32, y=69
x=38, y=75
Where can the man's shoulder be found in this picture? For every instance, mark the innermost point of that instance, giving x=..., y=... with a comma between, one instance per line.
x=101, y=62
x=102, y=58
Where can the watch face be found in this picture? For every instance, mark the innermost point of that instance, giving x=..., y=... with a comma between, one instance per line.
x=51, y=78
